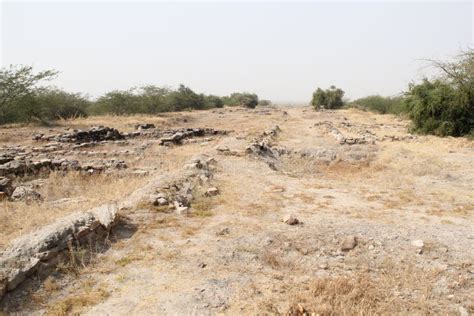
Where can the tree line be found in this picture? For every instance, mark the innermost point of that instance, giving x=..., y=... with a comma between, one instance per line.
x=443, y=105
x=22, y=99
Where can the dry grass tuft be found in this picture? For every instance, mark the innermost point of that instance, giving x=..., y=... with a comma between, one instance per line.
x=339, y=296
x=89, y=295
x=273, y=259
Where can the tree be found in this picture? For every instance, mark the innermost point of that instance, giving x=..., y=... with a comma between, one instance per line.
x=117, y=102
x=56, y=104
x=18, y=87
x=328, y=99
x=185, y=98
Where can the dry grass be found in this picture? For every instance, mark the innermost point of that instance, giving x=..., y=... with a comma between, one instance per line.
x=273, y=259
x=363, y=294
x=126, y=260
x=82, y=191
x=88, y=295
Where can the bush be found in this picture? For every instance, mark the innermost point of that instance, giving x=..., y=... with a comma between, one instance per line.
x=328, y=99
x=379, y=104
x=249, y=100
x=439, y=108
x=445, y=106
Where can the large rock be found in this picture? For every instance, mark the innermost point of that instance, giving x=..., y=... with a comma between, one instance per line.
x=24, y=255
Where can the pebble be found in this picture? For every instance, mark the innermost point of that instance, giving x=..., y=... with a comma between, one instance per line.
x=290, y=219
x=349, y=243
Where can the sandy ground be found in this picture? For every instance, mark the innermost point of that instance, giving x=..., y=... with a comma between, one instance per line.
x=407, y=201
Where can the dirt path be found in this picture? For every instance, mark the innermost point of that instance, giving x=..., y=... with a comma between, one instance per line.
x=385, y=226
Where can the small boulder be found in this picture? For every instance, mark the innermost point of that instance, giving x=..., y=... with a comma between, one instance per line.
x=25, y=193
x=6, y=186
x=144, y=126
x=212, y=192
x=349, y=243
x=419, y=245
x=290, y=219
x=180, y=210
x=161, y=201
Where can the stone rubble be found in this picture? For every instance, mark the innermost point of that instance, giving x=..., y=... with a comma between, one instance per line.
x=94, y=134
x=177, y=136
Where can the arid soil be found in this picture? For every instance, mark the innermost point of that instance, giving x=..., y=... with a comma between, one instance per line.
x=273, y=210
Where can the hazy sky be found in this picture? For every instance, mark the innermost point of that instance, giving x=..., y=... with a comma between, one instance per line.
x=281, y=51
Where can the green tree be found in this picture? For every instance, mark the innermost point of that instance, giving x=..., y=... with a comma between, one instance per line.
x=185, y=98
x=328, y=99
x=154, y=99
x=117, y=102
x=18, y=88
x=56, y=104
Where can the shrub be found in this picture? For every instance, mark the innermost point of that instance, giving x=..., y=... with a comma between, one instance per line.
x=328, y=99
x=212, y=101
x=249, y=100
x=380, y=104
x=118, y=103
x=445, y=106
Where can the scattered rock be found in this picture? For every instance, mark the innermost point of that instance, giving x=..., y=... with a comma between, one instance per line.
x=223, y=148
x=180, y=209
x=161, y=201
x=419, y=244
x=25, y=193
x=94, y=134
x=6, y=186
x=290, y=219
x=212, y=192
x=324, y=266
x=144, y=126
x=276, y=189
x=224, y=231
x=179, y=135
x=463, y=311
x=349, y=243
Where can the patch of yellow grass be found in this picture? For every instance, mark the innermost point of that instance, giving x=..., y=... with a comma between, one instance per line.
x=90, y=294
x=83, y=191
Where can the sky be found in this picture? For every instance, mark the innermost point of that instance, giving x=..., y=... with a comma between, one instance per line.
x=282, y=51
